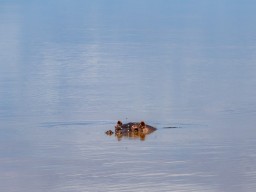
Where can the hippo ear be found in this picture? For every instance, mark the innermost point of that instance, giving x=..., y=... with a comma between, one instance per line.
x=119, y=123
x=142, y=123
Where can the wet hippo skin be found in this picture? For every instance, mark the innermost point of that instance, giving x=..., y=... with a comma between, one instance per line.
x=132, y=129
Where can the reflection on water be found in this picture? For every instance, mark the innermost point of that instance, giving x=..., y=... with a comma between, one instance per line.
x=69, y=70
x=127, y=135
x=131, y=135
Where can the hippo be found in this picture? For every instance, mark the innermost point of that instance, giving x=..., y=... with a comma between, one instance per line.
x=132, y=130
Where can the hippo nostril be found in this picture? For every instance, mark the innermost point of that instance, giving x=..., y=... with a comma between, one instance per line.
x=109, y=132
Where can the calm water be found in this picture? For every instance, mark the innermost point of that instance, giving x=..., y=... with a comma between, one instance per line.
x=70, y=69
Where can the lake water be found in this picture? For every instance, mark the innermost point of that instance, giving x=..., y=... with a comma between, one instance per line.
x=70, y=69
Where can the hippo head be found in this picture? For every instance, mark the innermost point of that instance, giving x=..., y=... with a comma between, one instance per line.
x=132, y=130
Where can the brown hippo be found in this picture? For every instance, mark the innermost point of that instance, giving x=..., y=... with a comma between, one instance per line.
x=132, y=129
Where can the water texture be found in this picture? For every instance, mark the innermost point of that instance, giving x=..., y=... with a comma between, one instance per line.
x=70, y=69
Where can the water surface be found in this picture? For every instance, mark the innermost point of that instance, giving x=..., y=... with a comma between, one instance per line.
x=70, y=70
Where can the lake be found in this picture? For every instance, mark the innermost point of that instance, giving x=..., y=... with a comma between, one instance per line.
x=69, y=70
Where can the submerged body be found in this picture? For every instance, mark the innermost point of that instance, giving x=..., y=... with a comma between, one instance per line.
x=132, y=129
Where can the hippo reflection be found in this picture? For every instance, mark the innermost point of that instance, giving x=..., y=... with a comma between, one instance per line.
x=131, y=130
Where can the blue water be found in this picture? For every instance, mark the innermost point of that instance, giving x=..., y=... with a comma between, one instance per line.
x=70, y=69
